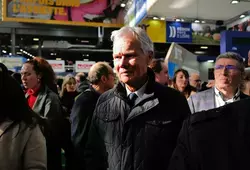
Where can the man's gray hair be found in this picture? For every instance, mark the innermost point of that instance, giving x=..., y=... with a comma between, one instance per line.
x=235, y=56
x=139, y=34
x=98, y=70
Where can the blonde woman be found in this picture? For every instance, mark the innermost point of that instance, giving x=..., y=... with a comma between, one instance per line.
x=68, y=93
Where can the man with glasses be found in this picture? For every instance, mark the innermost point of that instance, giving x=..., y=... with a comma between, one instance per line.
x=228, y=74
x=195, y=81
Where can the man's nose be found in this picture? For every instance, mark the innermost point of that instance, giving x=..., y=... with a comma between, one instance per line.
x=225, y=71
x=123, y=61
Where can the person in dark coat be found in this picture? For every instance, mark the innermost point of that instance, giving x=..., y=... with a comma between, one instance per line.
x=215, y=139
x=46, y=104
x=101, y=77
x=135, y=125
x=81, y=82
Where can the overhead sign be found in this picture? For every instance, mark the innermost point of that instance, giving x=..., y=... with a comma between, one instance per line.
x=57, y=65
x=66, y=12
x=83, y=66
x=12, y=62
x=179, y=32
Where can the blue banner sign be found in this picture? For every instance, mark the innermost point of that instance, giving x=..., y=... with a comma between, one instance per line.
x=179, y=32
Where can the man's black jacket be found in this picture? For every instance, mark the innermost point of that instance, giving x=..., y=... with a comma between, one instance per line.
x=217, y=139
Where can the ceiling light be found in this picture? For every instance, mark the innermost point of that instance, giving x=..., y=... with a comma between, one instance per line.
x=155, y=18
x=203, y=22
x=210, y=61
x=199, y=52
x=234, y=2
x=177, y=20
x=242, y=16
x=18, y=52
x=58, y=58
x=10, y=53
x=35, y=39
x=204, y=47
x=123, y=5
x=163, y=18
x=197, y=21
x=4, y=51
x=182, y=20
x=21, y=50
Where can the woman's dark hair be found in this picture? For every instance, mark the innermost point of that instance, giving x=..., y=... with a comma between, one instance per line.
x=189, y=88
x=44, y=69
x=13, y=103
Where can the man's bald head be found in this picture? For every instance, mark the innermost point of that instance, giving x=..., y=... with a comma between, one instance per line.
x=195, y=81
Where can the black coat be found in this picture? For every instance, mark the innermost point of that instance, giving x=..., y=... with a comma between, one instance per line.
x=81, y=117
x=217, y=139
x=145, y=139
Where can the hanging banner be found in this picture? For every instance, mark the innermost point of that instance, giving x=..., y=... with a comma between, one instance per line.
x=104, y=13
x=57, y=65
x=83, y=66
x=179, y=32
x=137, y=11
x=12, y=62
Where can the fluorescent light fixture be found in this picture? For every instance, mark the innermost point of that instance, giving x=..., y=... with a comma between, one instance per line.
x=197, y=21
x=204, y=47
x=242, y=16
x=182, y=20
x=203, y=22
x=162, y=18
x=58, y=58
x=210, y=61
x=234, y=2
x=4, y=51
x=177, y=20
x=199, y=52
x=155, y=18
x=123, y=5
x=18, y=52
x=35, y=39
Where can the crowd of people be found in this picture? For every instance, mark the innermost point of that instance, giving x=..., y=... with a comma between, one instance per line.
x=144, y=121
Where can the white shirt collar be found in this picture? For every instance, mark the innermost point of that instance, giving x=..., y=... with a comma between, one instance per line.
x=220, y=97
x=139, y=92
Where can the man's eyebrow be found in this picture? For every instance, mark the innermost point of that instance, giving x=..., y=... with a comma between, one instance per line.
x=126, y=53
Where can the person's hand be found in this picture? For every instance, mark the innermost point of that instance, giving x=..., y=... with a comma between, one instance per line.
x=210, y=84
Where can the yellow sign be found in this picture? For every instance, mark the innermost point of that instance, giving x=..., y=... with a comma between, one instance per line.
x=156, y=30
x=65, y=12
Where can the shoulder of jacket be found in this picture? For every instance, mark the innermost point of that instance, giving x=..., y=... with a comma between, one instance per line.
x=201, y=94
x=106, y=96
x=206, y=115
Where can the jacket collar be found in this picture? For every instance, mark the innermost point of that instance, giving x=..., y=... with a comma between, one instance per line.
x=4, y=126
x=41, y=97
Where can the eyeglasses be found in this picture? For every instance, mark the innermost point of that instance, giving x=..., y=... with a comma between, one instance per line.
x=227, y=67
x=197, y=81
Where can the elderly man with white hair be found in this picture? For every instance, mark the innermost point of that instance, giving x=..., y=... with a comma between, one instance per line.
x=135, y=125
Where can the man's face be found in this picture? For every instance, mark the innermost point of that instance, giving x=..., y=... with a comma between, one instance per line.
x=162, y=77
x=195, y=81
x=110, y=80
x=129, y=60
x=227, y=74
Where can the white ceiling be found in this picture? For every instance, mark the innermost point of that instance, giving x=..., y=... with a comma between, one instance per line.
x=207, y=9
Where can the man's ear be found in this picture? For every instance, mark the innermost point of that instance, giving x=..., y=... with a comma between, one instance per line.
x=150, y=56
x=104, y=79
